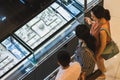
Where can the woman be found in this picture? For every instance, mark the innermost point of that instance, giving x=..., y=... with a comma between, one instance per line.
x=84, y=52
x=100, y=17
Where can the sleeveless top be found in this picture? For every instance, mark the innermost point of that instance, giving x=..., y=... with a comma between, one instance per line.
x=95, y=31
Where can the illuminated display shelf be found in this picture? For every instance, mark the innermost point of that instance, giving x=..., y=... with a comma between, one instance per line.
x=25, y=48
x=40, y=27
x=11, y=53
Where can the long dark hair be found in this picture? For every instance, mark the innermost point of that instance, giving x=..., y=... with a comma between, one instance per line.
x=100, y=12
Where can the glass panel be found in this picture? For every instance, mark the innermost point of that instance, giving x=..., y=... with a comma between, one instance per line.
x=11, y=53
x=64, y=13
x=73, y=6
x=22, y=70
x=15, y=48
x=40, y=27
x=81, y=2
x=56, y=42
x=91, y=3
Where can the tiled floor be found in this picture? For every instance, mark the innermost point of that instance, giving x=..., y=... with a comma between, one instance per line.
x=113, y=64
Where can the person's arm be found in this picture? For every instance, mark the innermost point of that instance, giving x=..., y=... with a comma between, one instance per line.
x=103, y=38
x=89, y=21
x=82, y=76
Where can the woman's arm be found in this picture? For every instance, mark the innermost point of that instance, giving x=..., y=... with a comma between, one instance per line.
x=89, y=21
x=103, y=40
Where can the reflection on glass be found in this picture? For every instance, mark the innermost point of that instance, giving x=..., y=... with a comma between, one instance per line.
x=73, y=9
x=33, y=21
x=66, y=2
x=11, y=52
x=13, y=46
x=41, y=27
x=88, y=1
x=91, y=3
x=2, y=48
x=55, y=5
x=64, y=13
x=81, y=1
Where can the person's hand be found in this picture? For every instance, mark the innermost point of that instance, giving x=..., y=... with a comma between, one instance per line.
x=88, y=20
x=83, y=74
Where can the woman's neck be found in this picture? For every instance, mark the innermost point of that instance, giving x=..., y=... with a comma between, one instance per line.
x=102, y=21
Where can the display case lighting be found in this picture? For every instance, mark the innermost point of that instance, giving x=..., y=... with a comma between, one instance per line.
x=2, y=18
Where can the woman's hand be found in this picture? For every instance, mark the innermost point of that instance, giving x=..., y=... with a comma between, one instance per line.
x=83, y=74
x=88, y=20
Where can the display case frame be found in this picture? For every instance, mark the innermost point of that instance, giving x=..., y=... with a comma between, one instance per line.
x=8, y=50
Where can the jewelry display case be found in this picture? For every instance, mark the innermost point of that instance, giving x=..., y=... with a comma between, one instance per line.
x=31, y=45
x=12, y=53
x=29, y=49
